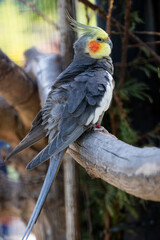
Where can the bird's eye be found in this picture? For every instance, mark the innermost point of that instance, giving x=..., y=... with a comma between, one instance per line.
x=100, y=40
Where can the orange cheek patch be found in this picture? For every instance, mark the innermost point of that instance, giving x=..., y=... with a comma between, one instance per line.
x=94, y=46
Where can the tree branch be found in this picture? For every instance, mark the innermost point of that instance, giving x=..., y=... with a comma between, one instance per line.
x=131, y=169
x=125, y=42
x=44, y=68
x=69, y=165
x=19, y=90
x=11, y=128
x=140, y=44
x=108, y=24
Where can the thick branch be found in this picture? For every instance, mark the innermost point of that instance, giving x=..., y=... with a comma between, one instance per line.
x=69, y=166
x=132, y=169
x=18, y=89
x=108, y=24
x=44, y=68
x=11, y=129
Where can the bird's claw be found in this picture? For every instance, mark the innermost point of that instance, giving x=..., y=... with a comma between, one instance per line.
x=99, y=128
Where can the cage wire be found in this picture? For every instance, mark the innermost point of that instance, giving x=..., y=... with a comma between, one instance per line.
x=24, y=24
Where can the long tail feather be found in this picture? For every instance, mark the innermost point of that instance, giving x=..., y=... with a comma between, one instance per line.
x=29, y=140
x=54, y=147
x=51, y=175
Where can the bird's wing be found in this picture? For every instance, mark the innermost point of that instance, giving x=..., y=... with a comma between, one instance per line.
x=54, y=104
x=53, y=168
x=54, y=101
x=35, y=134
x=83, y=97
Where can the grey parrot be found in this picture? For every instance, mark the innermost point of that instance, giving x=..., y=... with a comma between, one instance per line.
x=78, y=98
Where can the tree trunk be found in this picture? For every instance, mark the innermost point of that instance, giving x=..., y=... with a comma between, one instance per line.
x=70, y=167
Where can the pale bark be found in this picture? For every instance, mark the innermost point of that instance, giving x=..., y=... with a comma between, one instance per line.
x=131, y=169
x=11, y=128
x=70, y=167
x=44, y=68
x=19, y=90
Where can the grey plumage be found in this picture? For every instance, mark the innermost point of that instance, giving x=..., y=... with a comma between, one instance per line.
x=54, y=165
x=62, y=105
x=77, y=99
x=36, y=133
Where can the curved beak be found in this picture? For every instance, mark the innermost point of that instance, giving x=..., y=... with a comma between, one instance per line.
x=110, y=43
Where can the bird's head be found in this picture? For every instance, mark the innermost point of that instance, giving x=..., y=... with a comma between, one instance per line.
x=94, y=41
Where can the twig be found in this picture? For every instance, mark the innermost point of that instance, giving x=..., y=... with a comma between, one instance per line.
x=94, y=8
x=87, y=16
x=115, y=32
x=120, y=27
x=108, y=24
x=138, y=32
x=137, y=40
x=140, y=62
x=140, y=44
x=147, y=32
x=125, y=42
x=38, y=12
x=154, y=131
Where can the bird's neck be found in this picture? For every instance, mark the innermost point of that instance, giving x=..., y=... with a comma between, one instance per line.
x=106, y=64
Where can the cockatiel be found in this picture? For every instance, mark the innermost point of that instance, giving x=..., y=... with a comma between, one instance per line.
x=78, y=98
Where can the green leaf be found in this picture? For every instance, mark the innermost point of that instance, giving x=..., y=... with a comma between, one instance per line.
x=127, y=134
x=145, y=50
x=145, y=70
x=158, y=72
x=134, y=18
x=135, y=89
x=152, y=67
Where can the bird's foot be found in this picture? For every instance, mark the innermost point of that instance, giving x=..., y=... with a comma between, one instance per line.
x=99, y=128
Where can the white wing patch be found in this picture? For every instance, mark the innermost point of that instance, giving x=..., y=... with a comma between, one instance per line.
x=110, y=78
x=90, y=119
x=104, y=104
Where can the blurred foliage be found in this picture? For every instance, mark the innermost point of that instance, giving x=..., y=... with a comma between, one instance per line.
x=102, y=207
x=21, y=28
x=132, y=88
x=134, y=19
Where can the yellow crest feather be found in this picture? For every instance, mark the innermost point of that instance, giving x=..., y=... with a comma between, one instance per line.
x=82, y=28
